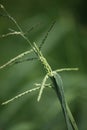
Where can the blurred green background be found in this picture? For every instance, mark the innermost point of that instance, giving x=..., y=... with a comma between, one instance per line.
x=66, y=46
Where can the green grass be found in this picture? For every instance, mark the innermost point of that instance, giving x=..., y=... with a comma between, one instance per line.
x=55, y=78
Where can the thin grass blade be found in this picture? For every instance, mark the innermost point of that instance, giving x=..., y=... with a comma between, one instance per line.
x=58, y=86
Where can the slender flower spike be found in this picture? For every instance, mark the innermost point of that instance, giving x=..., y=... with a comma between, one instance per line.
x=20, y=95
x=12, y=61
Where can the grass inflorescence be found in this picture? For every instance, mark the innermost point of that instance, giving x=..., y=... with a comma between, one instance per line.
x=56, y=81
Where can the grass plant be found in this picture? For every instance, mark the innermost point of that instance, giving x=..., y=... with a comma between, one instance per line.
x=55, y=79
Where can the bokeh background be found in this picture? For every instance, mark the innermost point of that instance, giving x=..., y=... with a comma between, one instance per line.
x=66, y=46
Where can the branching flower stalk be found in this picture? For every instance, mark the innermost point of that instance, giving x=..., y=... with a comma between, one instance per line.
x=55, y=78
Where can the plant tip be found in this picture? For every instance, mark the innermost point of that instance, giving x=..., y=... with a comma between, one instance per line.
x=1, y=6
